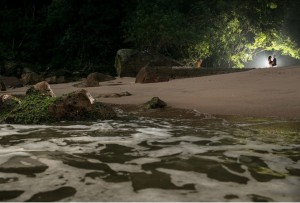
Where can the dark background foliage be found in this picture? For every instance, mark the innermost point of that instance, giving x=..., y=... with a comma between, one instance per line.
x=84, y=35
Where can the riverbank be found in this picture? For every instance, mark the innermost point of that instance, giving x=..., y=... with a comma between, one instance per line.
x=268, y=92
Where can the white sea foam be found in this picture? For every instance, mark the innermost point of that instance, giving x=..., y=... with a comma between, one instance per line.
x=173, y=139
x=168, y=151
x=27, y=129
x=125, y=167
x=155, y=131
x=5, y=155
x=141, y=161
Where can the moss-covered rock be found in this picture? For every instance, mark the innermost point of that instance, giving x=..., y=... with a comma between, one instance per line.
x=37, y=108
x=80, y=105
x=32, y=110
x=155, y=103
x=7, y=104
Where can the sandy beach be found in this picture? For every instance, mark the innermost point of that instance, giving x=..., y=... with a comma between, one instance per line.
x=266, y=92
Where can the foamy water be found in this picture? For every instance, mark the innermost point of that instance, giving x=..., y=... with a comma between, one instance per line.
x=140, y=159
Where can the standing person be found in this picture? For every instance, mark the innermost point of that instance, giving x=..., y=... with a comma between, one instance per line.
x=270, y=61
x=274, y=62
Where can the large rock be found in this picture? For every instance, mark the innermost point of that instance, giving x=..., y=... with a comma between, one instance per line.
x=153, y=74
x=128, y=62
x=11, y=68
x=55, y=79
x=11, y=81
x=31, y=78
x=80, y=105
x=93, y=79
x=42, y=88
x=2, y=86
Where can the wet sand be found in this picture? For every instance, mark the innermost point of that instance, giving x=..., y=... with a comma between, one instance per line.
x=267, y=92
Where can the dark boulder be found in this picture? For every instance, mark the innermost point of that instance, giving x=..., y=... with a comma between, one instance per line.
x=155, y=103
x=31, y=78
x=2, y=86
x=11, y=81
x=128, y=62
x=11, y=68
x=55, y=79
x=153, y=74
x=93, y=79
x=80, y=105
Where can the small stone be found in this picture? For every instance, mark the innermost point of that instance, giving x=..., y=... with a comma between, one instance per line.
x=155, y=103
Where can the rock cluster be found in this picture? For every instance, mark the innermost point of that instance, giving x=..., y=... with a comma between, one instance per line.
x=41, y=106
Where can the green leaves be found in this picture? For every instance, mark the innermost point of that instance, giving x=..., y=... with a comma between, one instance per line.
x=32, y=110
x=239, y=31
x=86, y=34
x=153, y=27
x=272, y=5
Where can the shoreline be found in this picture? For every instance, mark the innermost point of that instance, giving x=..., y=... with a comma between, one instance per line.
x=265, y=93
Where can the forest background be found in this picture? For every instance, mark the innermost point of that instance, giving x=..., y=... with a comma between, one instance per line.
x=84, y=35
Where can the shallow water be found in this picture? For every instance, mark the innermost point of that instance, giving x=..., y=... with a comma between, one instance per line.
x=147, y=159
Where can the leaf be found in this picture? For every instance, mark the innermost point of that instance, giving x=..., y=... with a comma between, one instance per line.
x=272, y=5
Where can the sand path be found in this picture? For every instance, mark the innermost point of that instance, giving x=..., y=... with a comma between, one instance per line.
x=268, y=92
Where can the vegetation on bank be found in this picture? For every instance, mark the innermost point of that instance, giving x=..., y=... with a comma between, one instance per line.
x=37, y=108
x=54, y=35
x=33, y=109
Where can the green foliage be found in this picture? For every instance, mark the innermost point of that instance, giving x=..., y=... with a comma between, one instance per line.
x=7, y=107
x=61, y=34
x=85, y=35
x=32, y=110
x=222, y=32
x=273, y=41
x=156, y=27
x=238, y=35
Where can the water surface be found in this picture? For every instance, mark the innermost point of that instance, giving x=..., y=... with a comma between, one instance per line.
x=149, y=159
